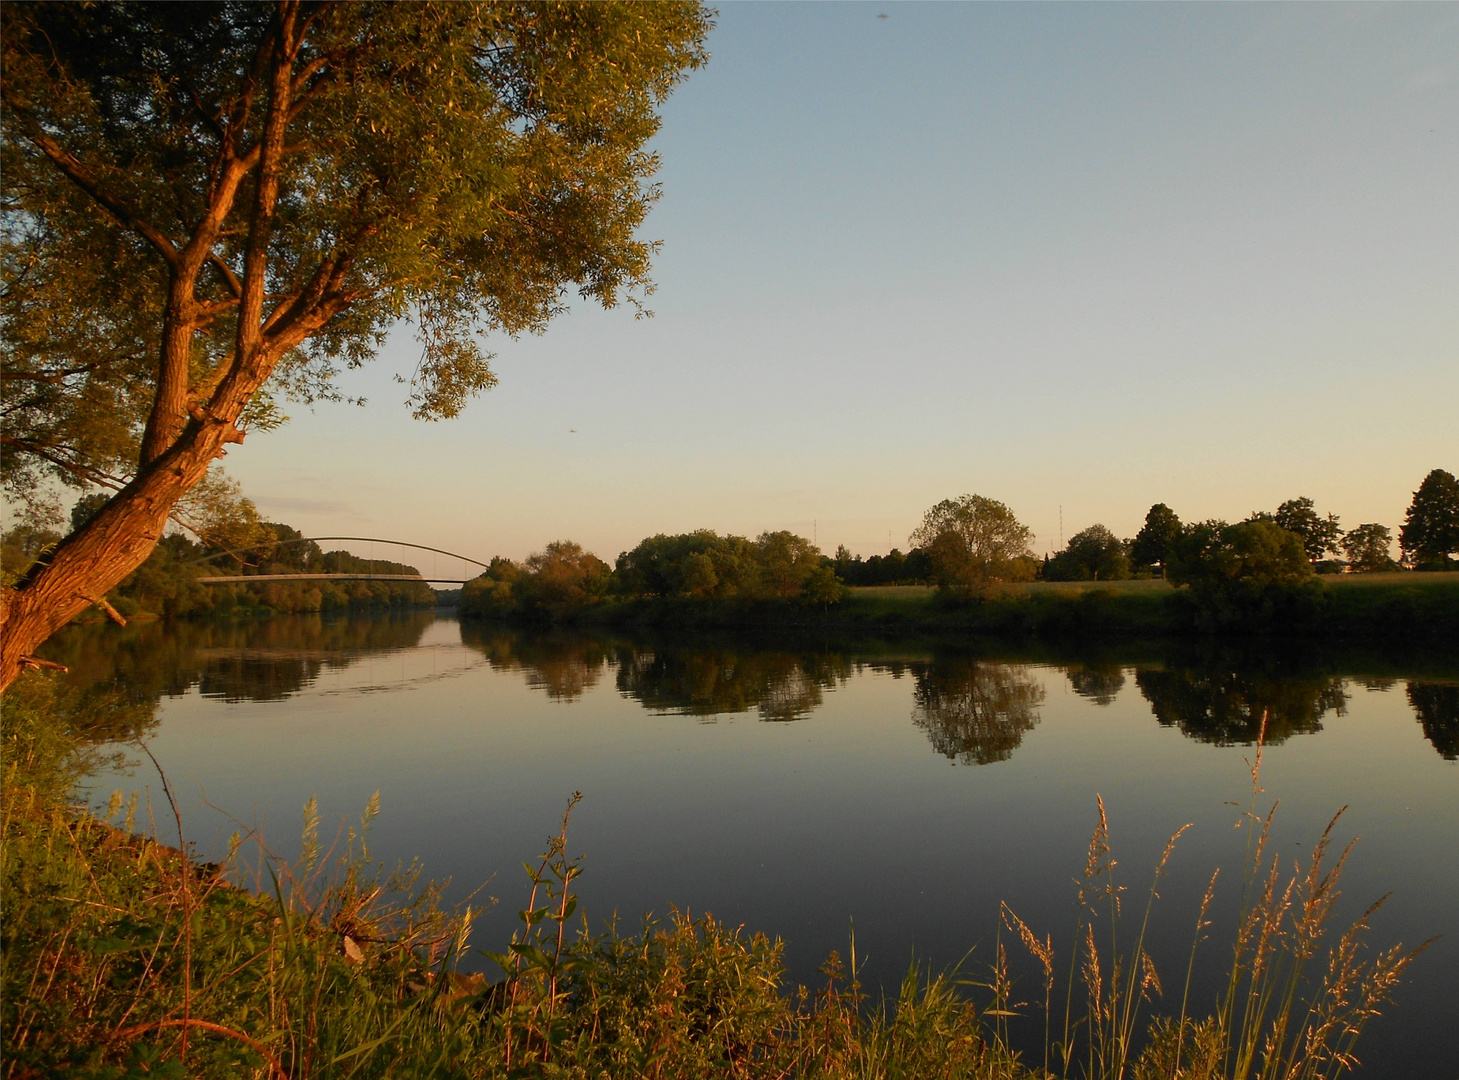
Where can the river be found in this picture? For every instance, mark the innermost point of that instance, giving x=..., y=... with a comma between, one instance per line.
x=798, y=788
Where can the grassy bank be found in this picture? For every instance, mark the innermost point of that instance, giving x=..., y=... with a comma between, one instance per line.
x=1357, y=607
x=126, y=958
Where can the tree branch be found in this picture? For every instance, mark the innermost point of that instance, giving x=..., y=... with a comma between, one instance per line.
x=56, y=455
x=73, y=168
x=234, y=285
x=214, y=123
x=48, y=377
x=111, y=613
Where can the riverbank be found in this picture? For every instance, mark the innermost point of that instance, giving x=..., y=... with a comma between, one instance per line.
x=124, y=957
x=1407, y=607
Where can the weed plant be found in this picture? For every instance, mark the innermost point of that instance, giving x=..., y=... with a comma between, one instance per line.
x=125, y=958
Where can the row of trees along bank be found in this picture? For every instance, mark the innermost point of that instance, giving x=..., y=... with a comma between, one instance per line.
x=172, y=581
x=970, y=545
x=699, y=565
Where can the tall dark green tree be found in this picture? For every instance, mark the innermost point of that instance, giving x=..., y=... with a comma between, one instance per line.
x=209, y=206
x=1430, y=530
x=1093, y=554
x=1367, y=548
x=1156, y=539
x=1319, y=534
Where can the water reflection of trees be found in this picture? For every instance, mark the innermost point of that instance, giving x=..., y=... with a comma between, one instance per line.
x=689, y=679
x=1099, y=683
x=246, y=660
x=1225, y=707
x=708, y=681
x=564, y=666
x=976, y=712
x=1437, y=707
x=973, y=711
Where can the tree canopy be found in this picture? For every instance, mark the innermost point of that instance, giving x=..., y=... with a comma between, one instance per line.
x=1157, y=537
x=1367, y=548
x=973, y=541
x=1092, y=554
x=775, y=565
x=1252, y=554
x=1249, y=574
x=214, y=207
x=1319, y=535
x=1430, y=530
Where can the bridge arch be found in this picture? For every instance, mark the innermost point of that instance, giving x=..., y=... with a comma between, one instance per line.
x=252, y=578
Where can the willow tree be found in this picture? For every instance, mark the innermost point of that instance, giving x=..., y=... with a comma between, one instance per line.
x=211, y=206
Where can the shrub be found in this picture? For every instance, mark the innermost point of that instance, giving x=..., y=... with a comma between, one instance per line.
x=1251, y=573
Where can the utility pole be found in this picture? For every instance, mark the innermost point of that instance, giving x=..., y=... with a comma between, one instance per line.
x=1061, y=526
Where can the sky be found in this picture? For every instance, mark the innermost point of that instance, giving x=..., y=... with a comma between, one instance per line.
x=1077, y=258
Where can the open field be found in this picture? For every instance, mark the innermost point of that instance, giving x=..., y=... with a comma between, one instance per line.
x=1396, y=577
x=1411, y=607
x=912, y=593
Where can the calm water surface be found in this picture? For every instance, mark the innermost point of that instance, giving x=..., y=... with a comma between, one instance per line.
x=796, y=789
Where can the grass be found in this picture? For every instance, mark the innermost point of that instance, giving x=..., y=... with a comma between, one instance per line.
x=126, y=958
x=1406, y=606
x=1405, y=578
x=912, y=594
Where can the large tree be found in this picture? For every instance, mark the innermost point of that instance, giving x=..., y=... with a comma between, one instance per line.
x=213, y=205
x=1430, y=530
x=973, y=542
x=1260, y=555
x=1094, y=554
x=1156, y=538
x=1319, y=535
x=1367, y=548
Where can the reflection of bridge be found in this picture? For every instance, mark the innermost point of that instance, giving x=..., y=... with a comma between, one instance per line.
x=252, y=579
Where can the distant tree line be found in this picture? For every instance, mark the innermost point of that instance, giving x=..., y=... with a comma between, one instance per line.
x=700, y=565
x=893, y=568
x=169, y=584
x=1429, y=536
x=964, y=546
x=971, y=544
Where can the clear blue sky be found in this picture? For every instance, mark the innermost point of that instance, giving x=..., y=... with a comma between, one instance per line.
x=1090, y=256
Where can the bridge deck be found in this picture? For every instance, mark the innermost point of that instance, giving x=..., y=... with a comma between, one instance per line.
x=251, y=579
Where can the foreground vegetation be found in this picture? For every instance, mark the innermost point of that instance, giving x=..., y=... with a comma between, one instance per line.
x=124, y=958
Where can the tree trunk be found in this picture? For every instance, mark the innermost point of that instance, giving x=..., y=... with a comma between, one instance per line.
x=94, y=559
x=176, y=451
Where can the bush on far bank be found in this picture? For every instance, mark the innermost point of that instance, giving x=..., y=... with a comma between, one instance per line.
x=699, y=565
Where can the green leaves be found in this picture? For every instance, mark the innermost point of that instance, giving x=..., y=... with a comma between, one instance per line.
x=974, y=541
x=1430, y=530
x=461, y=165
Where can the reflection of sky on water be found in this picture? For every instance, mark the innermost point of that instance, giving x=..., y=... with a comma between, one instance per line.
x=852, y=810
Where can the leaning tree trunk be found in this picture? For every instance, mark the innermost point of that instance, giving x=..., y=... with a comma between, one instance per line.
x=188, y=427
x=95, y=558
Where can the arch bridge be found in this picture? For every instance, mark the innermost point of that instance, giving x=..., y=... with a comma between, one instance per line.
x=254, y=579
